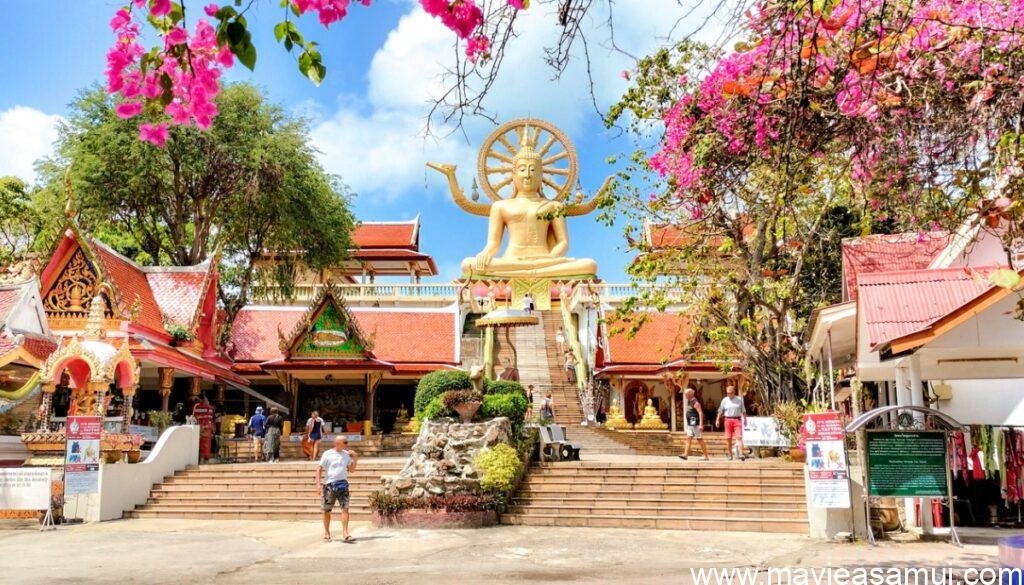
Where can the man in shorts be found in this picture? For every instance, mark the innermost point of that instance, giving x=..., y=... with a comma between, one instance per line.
x=332, y=483
x=693, y=414
x=733, y=411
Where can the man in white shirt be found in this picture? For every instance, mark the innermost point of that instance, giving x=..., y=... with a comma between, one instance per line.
x=332, y=483
x=733, y=410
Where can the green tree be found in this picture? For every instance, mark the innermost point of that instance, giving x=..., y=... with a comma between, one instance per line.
x=249, y=184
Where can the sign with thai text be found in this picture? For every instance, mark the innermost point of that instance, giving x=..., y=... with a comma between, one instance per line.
x=907, y=464
x=827, y=469
x=82, y=458
x=25, y=488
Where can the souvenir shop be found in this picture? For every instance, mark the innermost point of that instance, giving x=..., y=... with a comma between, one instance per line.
x=987, y=465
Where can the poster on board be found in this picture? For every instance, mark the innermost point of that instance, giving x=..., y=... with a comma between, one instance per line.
x=82, y=457
x=827, y=469
x=25, y=488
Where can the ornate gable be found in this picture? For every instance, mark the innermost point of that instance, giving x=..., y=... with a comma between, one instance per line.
x=66, y=300
x=327, y=330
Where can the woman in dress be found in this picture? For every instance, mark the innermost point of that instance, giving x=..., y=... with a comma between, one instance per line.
x=272, y=440
x=560, y=340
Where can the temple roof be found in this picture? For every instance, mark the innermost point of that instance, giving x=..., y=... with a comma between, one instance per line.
x=388, y=234
x=426, y=338
x=887, y=253
x=180, y=291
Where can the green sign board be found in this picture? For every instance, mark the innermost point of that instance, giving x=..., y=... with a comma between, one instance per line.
x=907, y=464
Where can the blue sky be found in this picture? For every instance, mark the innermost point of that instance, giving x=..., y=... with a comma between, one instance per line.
x=367, y=117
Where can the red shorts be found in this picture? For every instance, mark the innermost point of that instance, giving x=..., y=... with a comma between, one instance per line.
x=734, y=428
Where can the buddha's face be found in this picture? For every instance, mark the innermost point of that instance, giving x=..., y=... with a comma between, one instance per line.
x=526, y=174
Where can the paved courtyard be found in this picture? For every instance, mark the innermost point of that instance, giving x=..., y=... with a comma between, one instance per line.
x=187, y=551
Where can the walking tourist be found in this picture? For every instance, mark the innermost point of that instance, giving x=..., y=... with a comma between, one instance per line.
x=529, y=401
x=560, y=340
x=528, y=303
x=732, y=410
x=570, y=367
x=257, y=427
x=332, y=483
x=314, y=431
x=272, y=441
x=547, y=408
x=693, y=414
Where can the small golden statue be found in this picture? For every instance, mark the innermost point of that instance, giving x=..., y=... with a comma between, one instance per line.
x=406, y=425
x=616, y=420
x=538, y=238
x=651, y=420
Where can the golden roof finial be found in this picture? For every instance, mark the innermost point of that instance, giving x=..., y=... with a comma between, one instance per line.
x=94, y=324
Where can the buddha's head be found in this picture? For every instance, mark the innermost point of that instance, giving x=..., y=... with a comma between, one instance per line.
x=527, y=171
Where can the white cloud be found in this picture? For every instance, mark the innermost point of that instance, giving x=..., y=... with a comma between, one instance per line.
x=377, y=143
x=26, y=135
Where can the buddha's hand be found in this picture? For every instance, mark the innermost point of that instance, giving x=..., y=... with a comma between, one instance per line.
x=483, y=260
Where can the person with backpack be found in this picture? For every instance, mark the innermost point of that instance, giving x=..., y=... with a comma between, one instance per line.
x=257, y=428
x=314, y=432
x=693, y=414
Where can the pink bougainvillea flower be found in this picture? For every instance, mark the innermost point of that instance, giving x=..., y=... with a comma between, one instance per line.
x=176, y=36
x=211, y=9
x=155, y=134
x=121, y=19
x=517, y=4
x=127, y=110
x=478, y=46
x=160, y=8
x=625, y=74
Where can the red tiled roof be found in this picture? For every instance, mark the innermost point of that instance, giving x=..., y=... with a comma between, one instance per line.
x=895, y=304
x=9, y=296
x=397, y=336
x=888, y=253
x=39, y=346
x=130, y=282
x=254, y=332
x=178, y=292
x=386, y=235
x=676, y=235
x=662, y=338
x=386, y=253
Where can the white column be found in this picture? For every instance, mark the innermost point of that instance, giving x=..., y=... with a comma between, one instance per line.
x=672, y=408
x=917, y=399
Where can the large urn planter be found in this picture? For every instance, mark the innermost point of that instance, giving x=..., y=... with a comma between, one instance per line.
x=467, y=410
x=435, y=519
x=797, y=455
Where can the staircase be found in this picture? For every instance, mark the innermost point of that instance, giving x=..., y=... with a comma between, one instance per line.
x=540, y=364
x=665, y=443
x=258, y=491
x=750, y=496
x=393, y=445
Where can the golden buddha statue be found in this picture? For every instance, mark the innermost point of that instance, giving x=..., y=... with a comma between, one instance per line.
x=538, y=238
x=616, y=420
x=651, y=420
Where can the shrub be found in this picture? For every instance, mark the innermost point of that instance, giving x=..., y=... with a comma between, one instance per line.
x=512, y=406
x=503, y=387
x=436, y=410
x=499, y=468
x=437, y=383
x=386, y=505
x=453, y=397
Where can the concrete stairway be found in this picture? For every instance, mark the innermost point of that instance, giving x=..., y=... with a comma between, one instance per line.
x=665, y=443
x=262, y=491
x=750, y=496
x=396, y=445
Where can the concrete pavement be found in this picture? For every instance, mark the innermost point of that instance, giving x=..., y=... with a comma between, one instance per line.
x=189, y=551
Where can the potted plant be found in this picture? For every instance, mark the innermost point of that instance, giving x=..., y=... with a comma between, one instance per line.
x=789, y=413
x=180, y=335
x=464, y=402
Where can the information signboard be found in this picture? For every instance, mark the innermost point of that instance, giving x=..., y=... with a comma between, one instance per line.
x=82, y=459
x=907, y=464
x=827, y=470
x=762, y=431
x=25, y=488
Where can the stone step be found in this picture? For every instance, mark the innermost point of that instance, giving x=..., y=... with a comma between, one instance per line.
x=663, y=510
x=617, y=498
x=659, y=522
x=356, y=515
